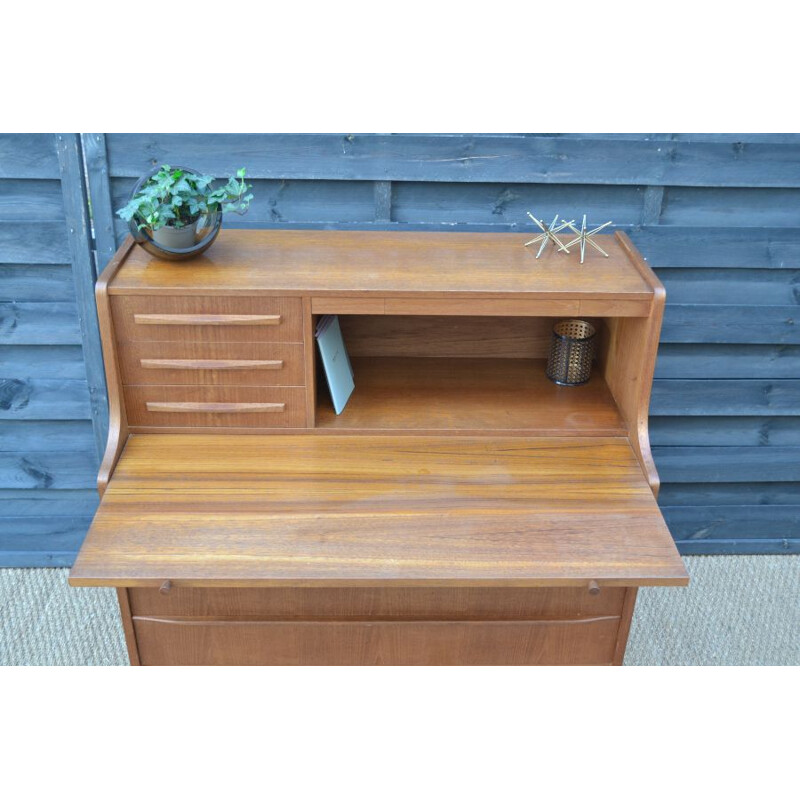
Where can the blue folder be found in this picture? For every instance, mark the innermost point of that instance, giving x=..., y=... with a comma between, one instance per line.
x=337, y=366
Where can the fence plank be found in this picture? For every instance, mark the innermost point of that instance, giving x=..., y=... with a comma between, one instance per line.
x=94, y=149
x=39, y=323
x=751, y=248
x=28, y=155
x=729, y=207
x=47, y=436
x=466, y=158
x=492, y=204
x=727, y=464
x=738, y=547
x=742, y=324
x=42, y=535
x=725, y=431
x=730, y=522
x=76, y=210
x=735, y=494
x=750, y=361
x=652, y=204
x=59, y=470
x=33, y=361
x=383, y=200
x=764, y=287
x=31, y=199
x=36, y=283
x=724, y=398
x=49, y=503
x=31, y=242
x=41, y=398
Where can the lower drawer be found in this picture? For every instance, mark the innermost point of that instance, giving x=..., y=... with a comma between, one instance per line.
x=216, y=406
x=250, y=643
x=417, y=603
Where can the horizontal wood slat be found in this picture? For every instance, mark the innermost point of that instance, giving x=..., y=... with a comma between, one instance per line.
x=28, y=155
x=729, y=521
x=39, y=323
x=737, y=494
x=725, y=398
x=39, y=398
x=731, y=324
x=467, y=158
x=725, y=431
x=727, y=464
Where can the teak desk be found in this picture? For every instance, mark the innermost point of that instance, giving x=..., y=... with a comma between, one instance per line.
x=462, y=510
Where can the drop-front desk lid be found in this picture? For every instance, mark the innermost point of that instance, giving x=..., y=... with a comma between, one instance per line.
x=317, y=510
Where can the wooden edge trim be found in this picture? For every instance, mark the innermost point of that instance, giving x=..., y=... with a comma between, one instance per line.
x=86, y=578
x=309, y=358
x=201, y=364
x=215, y=408
x=117, y=417
x=642, y=267
x=219, y=320
x=127, y=626
x=253, y=620
x=640, y=430
x=626, y=617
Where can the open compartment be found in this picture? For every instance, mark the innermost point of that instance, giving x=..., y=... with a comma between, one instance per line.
x=473, y=374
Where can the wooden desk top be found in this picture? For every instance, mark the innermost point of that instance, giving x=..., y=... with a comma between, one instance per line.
x=312, y=510
x=357, y=263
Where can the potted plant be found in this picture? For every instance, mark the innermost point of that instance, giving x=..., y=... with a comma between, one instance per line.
x=170, y=202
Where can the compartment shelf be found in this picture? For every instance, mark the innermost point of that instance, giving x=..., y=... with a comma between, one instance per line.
x=469, y=395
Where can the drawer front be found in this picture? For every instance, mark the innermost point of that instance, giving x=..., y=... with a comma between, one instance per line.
x=224, y=643
x=208, y=319
x=215, y=406
x=379, y=603
x=212, y=363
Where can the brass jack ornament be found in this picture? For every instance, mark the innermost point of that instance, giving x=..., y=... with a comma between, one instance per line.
x=549, y=233
x=585, y=237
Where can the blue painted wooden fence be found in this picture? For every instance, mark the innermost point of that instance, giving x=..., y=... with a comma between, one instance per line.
x=53, y=413
x=717, y=215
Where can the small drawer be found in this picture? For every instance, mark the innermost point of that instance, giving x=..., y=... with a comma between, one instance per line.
x=212, y=363
x=216, y=406
x=208, y=319
x=246, y=642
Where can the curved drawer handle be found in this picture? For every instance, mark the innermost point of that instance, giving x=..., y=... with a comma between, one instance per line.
x=217, y=408
x=200, y=363
x=207, y=319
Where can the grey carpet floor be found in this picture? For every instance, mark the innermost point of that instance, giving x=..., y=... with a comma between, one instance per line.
x=738, y=610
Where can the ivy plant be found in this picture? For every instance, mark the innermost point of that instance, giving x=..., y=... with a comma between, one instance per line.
x=178, y=198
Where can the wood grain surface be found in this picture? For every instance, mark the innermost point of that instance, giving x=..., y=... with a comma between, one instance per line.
x=354, y=263
x=309, y=510
x=475, y=396
x=447, y=337
x=247, y=643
